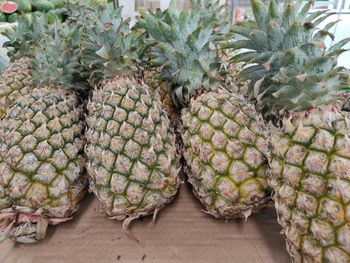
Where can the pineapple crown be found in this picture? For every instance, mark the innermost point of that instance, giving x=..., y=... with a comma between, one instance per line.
x=184, y=47
x=78, y=12
x=286, y=58
x=211, y=10
x=57, y=58
x=108, y=44
x=26, y=35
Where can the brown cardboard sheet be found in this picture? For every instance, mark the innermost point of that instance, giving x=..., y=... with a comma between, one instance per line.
x=182, y=233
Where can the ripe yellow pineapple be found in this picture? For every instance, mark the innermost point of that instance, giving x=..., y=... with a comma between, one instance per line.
x=133, y=165
x=224, y=137
x=41, y=144
x=295, y=80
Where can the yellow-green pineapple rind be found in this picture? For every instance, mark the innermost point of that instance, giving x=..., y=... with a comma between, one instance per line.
x=15, y=81
x=41, y=163
x=225, y=147
x=132, y=155
x=310, y=167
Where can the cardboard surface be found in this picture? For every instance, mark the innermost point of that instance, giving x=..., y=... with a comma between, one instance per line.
x=182, y=233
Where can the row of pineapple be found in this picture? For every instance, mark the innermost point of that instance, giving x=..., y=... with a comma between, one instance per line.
x=254, y=109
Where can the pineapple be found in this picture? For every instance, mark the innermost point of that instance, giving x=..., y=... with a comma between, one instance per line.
x=295, y=80
x=16, y=79
x=132, y=156
x=41, y=144
x=224, y=137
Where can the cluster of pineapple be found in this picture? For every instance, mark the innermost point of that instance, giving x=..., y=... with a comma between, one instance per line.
x=94, y=101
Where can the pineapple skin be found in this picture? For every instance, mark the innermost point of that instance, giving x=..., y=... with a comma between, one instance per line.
x=310, y=176
x=41, y=162
x=14, y=82
x=161, y=88
x=233, y=84
x=133, y=164
x=225, y=147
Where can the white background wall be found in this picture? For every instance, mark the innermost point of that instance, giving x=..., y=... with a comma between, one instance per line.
x=341, y=31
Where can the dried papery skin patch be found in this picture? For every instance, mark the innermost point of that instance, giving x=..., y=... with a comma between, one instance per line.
x=226, y=154
x=312, y=200
x=41, y=163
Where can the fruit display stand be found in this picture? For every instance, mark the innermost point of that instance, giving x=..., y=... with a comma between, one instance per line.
x=181, y=233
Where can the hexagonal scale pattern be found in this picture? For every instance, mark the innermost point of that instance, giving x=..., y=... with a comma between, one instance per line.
x=311, y=181
x=14, y=82
x=225, y=149
x=41, y=160
x=136, y=171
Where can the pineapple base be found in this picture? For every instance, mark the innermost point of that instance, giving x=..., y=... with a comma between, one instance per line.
x=24, y=227
x=237, y=211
